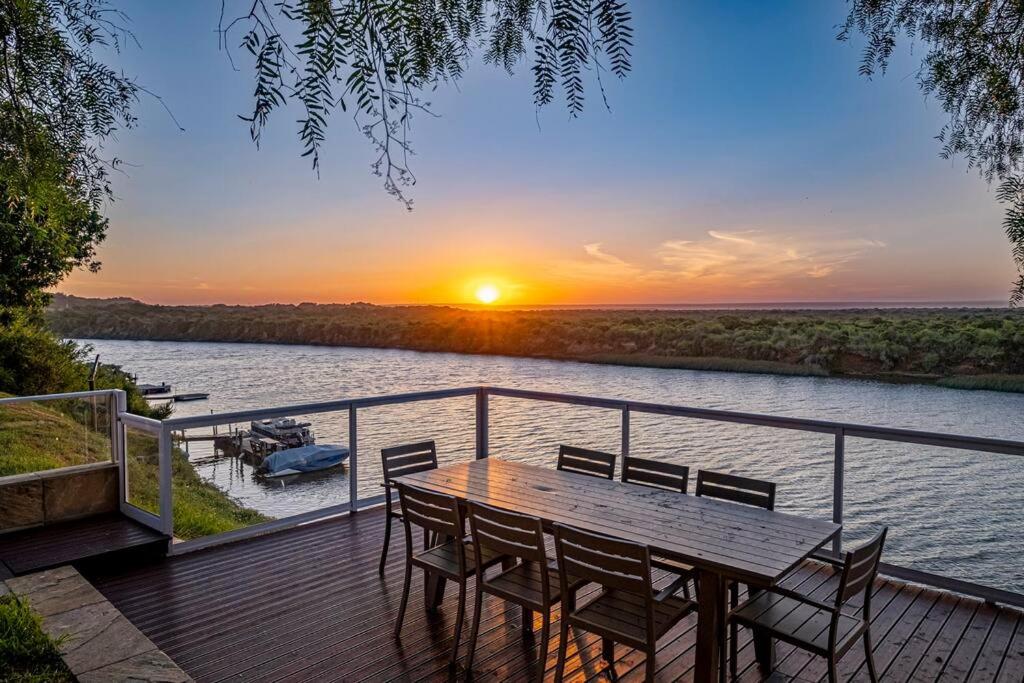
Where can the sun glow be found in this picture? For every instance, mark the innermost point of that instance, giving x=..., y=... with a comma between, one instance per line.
x=487, y=294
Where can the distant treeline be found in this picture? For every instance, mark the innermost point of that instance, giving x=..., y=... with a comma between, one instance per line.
x=986, y=345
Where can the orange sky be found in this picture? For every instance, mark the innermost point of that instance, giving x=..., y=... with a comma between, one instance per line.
x=731, y=167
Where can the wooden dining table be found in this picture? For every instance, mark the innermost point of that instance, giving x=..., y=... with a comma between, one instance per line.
x=723, y=541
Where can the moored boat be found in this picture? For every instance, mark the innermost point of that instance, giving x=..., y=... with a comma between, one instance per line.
x=311, y=458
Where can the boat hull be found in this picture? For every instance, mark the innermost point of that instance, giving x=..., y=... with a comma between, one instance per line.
x=303, y=459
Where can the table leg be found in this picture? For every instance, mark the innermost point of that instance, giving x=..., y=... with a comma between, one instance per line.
x=710, y=601
x=764, y=647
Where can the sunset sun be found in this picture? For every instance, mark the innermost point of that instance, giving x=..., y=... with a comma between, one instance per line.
x=487, y=294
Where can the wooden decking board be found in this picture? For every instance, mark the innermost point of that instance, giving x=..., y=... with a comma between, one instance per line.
x=81, y=540
x=986, y=666
x=960, y=662
x=1012, y=668
x=938, y=653
x=307, y=604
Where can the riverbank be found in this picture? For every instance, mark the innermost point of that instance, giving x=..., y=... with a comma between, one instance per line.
x=959, y=348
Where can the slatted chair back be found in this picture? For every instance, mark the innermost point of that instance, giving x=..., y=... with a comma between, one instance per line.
x=433, y=512
x=735, y=489
x=860, y=569
x=655, y=474
x=506, y=533
x=586, y=461
x=408, y=459
x=614, y=564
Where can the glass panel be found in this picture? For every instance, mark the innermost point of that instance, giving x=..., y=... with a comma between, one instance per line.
x=46, y=435
x=142, y=479
x=531, y=431
x=949, y=512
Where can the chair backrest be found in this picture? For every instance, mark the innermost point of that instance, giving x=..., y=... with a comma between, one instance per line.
x=655, y=474
x=430, y=511
x=755, y=492
x=408, y=459
x=612, y=563
x=860, y=569
x=506, y=533
x=586, y=461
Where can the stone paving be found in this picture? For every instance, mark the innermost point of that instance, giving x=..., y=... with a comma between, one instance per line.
x=100, y=644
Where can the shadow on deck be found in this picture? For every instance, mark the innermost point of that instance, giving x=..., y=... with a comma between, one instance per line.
x=109, y=538
x=308, y=605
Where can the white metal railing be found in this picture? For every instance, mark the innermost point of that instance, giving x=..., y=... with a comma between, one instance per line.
x=840, y=431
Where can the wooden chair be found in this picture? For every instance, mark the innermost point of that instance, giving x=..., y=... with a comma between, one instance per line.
x=626, y=610
x=396, y=461
x=451, y=556
x=746, y=491
x=655, y=474
x=665, y=476
x=800, y=620
x=527, y=575
x=586, y=461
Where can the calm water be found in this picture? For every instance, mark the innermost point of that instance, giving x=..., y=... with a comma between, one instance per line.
x=953, y=512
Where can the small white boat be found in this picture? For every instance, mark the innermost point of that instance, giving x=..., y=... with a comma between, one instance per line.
x=303, y=459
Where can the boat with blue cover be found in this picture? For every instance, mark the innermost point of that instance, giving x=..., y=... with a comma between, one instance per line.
x=309, y=458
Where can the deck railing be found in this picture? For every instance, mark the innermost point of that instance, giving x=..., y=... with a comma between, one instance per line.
x=163, y=430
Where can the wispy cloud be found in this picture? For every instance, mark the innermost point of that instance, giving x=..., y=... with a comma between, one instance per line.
x=738, y=260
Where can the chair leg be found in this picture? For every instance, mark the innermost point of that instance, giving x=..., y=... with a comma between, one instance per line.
x=563, y=645
x=405, y=599
x=650, y=665
x=608, y=651
x=387, y=543
x=734, y=600
x=459, y=616
x=868, y=655
x=542, y=650
x=833, y=676
x=475, y=629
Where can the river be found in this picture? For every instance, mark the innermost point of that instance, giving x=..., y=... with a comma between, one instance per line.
x=950, y=512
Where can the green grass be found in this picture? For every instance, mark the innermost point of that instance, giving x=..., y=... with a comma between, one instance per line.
x=36, y=437
x=1014, y=383
x=27, y=654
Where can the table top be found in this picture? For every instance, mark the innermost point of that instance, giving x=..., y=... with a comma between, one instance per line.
x=738, y=541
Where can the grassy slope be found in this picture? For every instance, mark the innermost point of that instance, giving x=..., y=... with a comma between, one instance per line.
x=27, y=654
x=34, y=437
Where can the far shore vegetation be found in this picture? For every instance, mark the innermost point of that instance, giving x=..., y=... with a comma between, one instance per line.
x=959, y=348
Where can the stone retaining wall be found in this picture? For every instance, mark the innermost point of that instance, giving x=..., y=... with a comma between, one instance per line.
x=28, y=500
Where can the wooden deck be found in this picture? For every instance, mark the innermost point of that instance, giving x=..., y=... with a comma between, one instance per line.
x=308, y=605
x=109, y=537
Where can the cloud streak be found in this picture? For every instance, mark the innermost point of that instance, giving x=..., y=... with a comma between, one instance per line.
x=730, y=260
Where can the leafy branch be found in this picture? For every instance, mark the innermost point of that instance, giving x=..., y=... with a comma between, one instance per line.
x=378, y=58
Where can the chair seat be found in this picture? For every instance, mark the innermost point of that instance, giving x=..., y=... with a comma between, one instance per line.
x=523, y=584
x=443, y=559
x=622, y=616
x=796, y=622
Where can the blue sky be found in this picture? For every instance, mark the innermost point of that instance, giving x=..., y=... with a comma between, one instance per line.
x=743, y=160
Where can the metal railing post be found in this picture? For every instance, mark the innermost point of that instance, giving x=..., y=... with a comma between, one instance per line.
x=353, y=460
x=482, y=423
x=625, y=432
x=838, y=469
x=117, y=442
x=166, y=502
